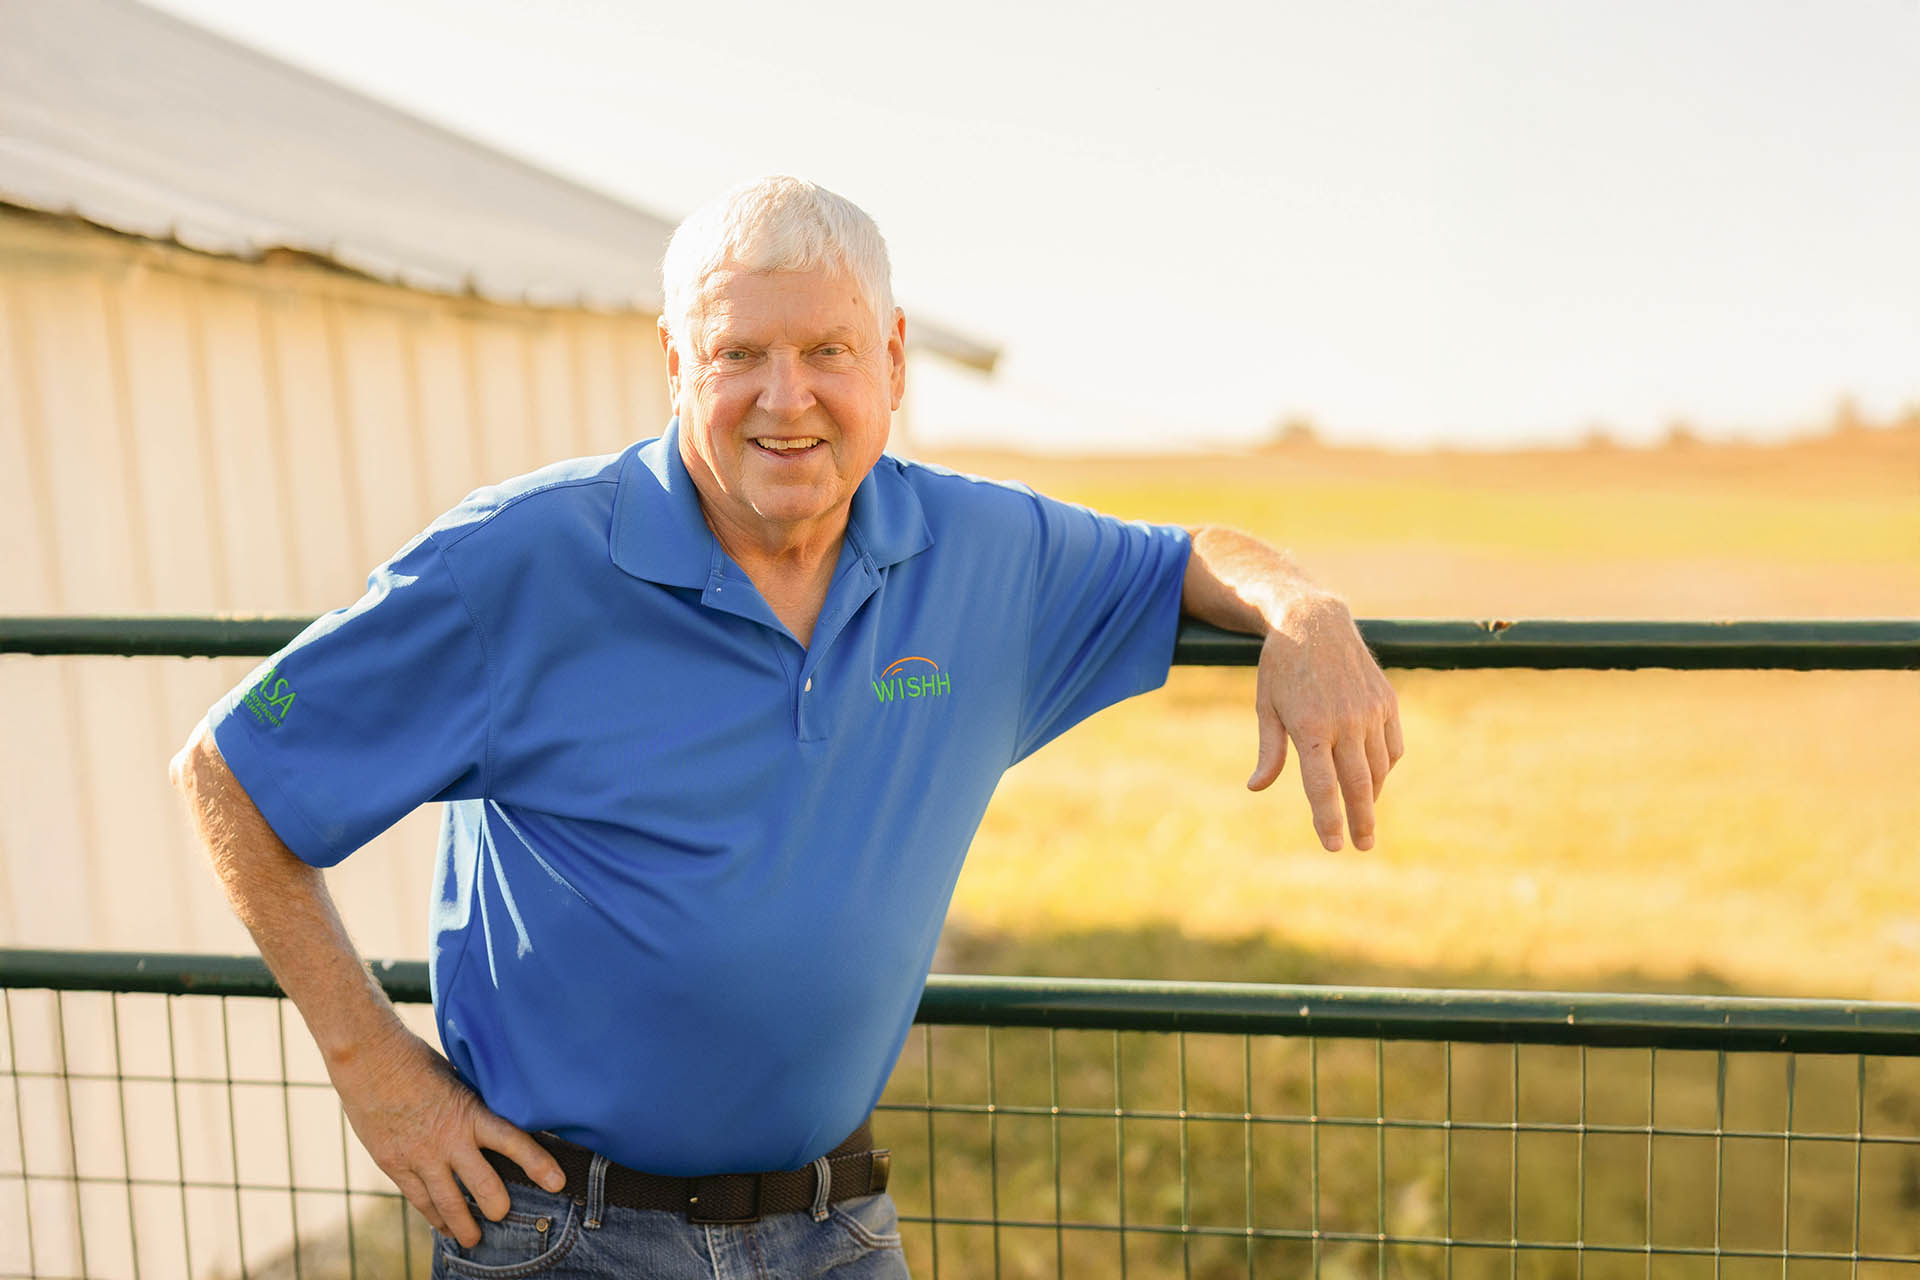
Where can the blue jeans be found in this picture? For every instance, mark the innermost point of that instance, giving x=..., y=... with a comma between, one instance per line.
x=576, y=1235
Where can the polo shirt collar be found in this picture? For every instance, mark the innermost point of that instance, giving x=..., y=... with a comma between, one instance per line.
x=659, y=534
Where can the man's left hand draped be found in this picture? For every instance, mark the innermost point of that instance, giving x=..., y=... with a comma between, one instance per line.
x=1320, y=686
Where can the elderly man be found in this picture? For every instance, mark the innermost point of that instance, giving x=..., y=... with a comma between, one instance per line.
x=714, y=720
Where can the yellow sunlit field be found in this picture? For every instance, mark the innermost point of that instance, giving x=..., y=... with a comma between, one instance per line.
x=1750, y=831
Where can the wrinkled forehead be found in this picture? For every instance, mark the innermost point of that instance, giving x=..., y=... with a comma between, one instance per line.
x=817, y=302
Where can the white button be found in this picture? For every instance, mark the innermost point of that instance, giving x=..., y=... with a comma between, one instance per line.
x=809, y=688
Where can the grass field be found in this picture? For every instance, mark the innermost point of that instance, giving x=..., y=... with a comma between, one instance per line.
x=1753, y=831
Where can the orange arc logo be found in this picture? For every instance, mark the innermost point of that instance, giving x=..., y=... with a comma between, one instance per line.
x=897, y=665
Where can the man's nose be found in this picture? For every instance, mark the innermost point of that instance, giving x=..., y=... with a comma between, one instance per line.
x=788, y=392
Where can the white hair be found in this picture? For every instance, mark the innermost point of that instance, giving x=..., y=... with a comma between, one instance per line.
x=773, y=224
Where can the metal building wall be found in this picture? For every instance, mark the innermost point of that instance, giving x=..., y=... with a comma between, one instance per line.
x=181, y=433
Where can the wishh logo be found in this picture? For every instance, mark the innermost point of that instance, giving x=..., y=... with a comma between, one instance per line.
x=901, y=681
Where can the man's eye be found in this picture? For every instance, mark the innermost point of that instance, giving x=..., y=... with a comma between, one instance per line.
x=832, y=349
x=734, y=355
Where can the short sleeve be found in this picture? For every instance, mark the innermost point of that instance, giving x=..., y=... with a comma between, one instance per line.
x=370, y=712
x=1106, y=609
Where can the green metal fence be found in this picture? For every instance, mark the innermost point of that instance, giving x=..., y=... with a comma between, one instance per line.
x=1856, y=644
x=1054, y=1127
x=164, y=1116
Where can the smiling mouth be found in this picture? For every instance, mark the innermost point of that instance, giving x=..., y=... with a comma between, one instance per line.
x=786, y=447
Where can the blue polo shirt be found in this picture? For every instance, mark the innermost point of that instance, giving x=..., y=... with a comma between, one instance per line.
x=691, y=872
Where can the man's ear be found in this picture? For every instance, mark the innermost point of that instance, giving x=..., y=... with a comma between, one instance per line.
x=897, y=355
x=673, y=362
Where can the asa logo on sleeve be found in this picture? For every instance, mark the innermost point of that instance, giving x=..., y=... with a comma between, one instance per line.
x=900, y=681
x=270, y=699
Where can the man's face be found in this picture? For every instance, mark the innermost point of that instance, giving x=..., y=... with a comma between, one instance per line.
x=784, y=391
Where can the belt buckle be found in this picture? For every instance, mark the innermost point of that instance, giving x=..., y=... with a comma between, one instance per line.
x=697, y=1216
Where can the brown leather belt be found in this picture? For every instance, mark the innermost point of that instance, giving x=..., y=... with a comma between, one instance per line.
x=854, y=1169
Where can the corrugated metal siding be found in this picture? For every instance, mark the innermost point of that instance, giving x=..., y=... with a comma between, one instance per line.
x=181, y=433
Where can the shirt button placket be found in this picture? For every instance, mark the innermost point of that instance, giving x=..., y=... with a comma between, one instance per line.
x=802, y=713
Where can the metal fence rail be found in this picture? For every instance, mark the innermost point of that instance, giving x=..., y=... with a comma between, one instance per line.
x=1858, y=644
x=1055, y=1127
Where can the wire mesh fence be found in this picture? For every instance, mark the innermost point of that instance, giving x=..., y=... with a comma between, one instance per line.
x=160, y=1124
x=182, y=1135
x=1042, y=1152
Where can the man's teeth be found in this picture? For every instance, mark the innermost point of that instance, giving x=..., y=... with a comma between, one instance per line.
x=788, y=446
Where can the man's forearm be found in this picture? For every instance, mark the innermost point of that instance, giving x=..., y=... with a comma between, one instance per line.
x=1240, y=583
x=285, y=905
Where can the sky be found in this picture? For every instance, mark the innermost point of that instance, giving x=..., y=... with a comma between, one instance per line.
x=1482, y=223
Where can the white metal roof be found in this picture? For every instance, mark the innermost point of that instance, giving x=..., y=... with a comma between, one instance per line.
x=135, y=120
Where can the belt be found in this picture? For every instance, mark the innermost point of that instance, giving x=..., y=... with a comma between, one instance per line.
x=854, y=1168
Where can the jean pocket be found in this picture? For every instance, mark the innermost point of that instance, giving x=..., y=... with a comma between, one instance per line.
x=538, y=1231
x=871, y=1220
